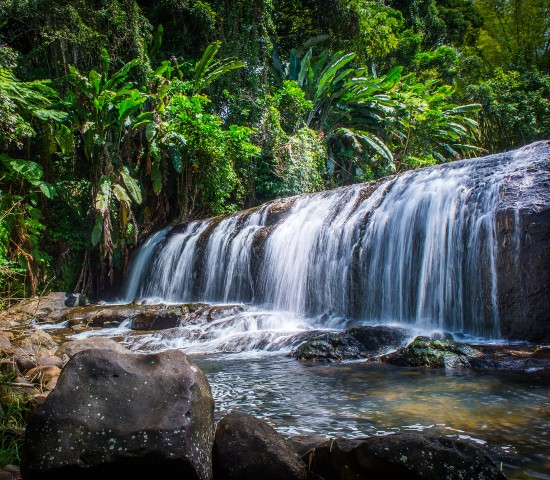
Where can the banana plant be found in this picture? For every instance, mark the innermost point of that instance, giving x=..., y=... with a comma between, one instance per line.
x=26, y=109
x=108, y=112
x=349, y=107
x=207, y=70
x=168, y=80
x=432, y=126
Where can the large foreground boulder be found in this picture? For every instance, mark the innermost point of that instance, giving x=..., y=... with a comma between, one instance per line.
x=115, y=415
x=401, y=457
x=247, y=448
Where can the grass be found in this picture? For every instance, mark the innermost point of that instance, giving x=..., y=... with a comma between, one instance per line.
x=14, y=411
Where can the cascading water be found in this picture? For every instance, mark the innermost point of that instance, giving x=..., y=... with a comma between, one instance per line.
x=463, y=247
x=418, y=249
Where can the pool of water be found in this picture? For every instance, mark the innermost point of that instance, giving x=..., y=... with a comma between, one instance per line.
x=508, y=416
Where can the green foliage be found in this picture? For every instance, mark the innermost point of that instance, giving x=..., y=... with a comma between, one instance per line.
x=119, y=117
x=187, y=27
x=380, y=27
x=53, y=35
x=515, y=33
x=291, y=102
x=302, y=165
x=106, y=109
x=209, y=155
x=514, y=108
x=207, y=70
x=429, y=126
x=14, y=411
x=25, y=109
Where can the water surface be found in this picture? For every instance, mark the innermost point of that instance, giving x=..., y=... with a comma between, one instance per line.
x=509, y=416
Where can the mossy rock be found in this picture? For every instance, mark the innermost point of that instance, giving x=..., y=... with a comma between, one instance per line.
x=425, y=352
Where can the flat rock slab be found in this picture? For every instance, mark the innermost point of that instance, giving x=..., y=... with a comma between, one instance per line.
x=531, y=360
x=115, y=415
x=147, y=317
x=400, y=457
x=51, y=307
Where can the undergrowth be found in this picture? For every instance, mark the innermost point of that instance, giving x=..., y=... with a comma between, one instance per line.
x=14, y=411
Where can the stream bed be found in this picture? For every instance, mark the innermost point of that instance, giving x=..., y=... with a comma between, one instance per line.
x=243, y=354
x=510, y=416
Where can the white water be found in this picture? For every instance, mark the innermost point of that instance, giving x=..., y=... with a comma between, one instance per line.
x=420, y=250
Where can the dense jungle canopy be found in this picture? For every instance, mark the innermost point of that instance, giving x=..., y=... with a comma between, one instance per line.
x=118, y=117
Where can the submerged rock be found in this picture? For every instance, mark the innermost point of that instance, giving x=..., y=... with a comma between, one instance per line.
x=424, y=352
x=115, y=416
x=513, y=359
x=247, y=448
x=402, y=456
x=357, y=342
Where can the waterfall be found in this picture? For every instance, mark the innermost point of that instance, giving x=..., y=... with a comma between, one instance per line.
x=419, y=248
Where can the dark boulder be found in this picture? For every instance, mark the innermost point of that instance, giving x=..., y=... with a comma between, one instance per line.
x=424, y=352
x=115, y=416
x=247, y=448
x=400, y=457
x=155, y=320
x=330, y=346
x=76, y=300
x=356, y=342
x=379, y=339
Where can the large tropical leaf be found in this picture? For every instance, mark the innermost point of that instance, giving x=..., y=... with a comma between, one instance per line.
x=206, y=60
x=103, y=195
x=122, y=75
x=326, y=79
x=131, y=185
x=97, y=230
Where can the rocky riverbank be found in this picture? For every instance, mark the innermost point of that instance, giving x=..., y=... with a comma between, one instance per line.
x=83, y=392
x=115, y=414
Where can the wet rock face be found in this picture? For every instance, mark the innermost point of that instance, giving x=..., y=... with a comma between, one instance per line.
x=424, y=352
x=524, y=273
x=523, y=263
x=401, y=457
x=357, y=342
x=247, y=448
x=116, y=416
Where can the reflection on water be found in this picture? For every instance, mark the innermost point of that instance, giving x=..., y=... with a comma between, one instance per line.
x=511, y=417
